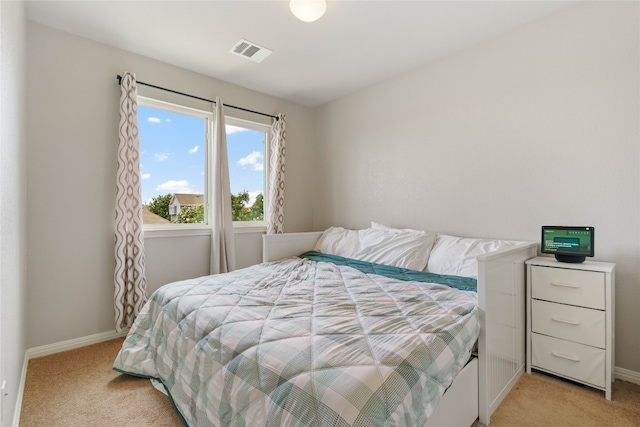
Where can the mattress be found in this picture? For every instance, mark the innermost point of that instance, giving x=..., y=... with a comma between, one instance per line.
x=303, y=342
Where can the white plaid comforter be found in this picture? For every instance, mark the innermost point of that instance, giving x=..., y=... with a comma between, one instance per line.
x=302, y=343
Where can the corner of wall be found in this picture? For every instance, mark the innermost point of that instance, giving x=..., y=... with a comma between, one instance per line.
x=12, y=208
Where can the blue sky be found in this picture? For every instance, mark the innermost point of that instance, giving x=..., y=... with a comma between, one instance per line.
x=172, y=155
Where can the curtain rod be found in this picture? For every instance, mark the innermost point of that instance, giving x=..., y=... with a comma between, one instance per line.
x=119, y=77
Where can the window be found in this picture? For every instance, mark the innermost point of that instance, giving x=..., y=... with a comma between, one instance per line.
x=174, y=147
x=246, y=150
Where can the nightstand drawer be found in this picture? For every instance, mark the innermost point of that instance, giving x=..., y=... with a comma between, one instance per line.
x=568, y=359
x=577, y=324
x=582, y=288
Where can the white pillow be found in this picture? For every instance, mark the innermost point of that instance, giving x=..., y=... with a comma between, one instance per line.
x=378, y=226
x=405, y=250
x=457, y=255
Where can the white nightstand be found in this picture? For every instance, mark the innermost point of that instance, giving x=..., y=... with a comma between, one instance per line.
x=570, y=320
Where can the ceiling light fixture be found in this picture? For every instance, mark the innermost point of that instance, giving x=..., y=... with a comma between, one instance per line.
x=308, y=10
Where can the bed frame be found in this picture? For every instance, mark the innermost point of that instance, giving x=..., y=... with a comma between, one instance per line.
x=485, y=381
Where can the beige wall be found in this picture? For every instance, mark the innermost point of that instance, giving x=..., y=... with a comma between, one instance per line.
x=539, y=126
x=12, y=203
x=72, y=102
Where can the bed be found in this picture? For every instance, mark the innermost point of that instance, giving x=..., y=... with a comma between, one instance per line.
x=341, y=328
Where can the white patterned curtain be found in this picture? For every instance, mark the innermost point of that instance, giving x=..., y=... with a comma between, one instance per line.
x=275, y=201
x=223, y=253
x=130, y=281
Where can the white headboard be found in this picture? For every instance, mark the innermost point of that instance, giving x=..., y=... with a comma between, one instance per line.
x=279, y=246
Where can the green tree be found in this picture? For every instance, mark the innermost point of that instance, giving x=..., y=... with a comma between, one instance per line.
x=190, y=215
x=257, y=209
x=160, y=206
x=241, y=212
x=238, y=209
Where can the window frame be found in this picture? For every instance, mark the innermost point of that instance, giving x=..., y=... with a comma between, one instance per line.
x=239, y=227
x=250, y=226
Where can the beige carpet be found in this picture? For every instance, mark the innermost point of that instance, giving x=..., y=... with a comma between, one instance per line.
x=79, y=388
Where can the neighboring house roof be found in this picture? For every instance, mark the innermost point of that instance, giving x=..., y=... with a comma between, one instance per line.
x=187, y=199
x=149, y=217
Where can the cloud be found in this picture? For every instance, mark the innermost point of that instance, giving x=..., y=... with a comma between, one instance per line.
x=161, y=157
x=153, y=120
x=194, y=149
x=173, y=186
x=233, y=129
x=145, y=176
x=253, y=160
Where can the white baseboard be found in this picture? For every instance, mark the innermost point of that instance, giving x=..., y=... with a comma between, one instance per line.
x=58, y=347
x=627, y=375
x=23, y=380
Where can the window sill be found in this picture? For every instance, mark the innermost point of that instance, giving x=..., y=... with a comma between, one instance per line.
x=244, y=227
x=177, y=231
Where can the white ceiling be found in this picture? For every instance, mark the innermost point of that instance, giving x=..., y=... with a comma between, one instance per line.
x=355, y=44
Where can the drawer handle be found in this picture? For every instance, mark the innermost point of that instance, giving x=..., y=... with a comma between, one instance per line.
x=564, y=356
x=565, y=285
x=570, y=322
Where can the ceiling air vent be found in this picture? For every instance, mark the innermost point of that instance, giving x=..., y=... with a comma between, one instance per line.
x=250, y=50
